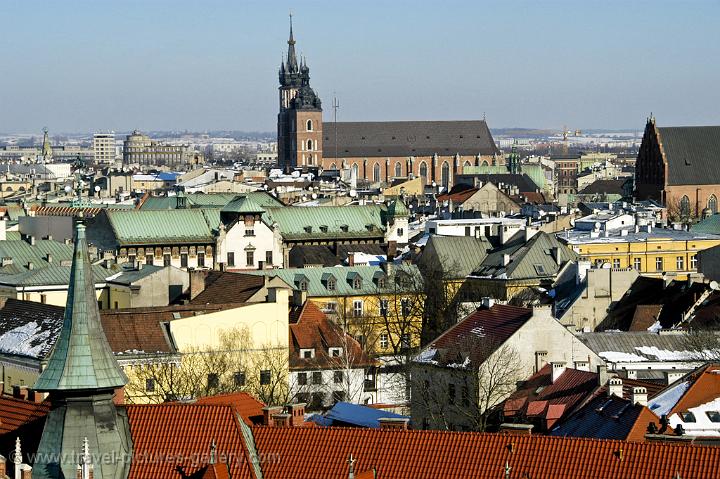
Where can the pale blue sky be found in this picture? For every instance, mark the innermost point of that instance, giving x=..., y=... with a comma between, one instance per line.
x=89, y=65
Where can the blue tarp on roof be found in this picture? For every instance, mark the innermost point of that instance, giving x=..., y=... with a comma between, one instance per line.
x=353, y=414
x=168, y=176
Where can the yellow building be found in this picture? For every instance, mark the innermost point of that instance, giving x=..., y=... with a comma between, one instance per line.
x=651, y=251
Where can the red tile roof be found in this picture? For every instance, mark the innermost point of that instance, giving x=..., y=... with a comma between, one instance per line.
x=228, y=287
x=494, y=326
x=169, y=437
x=548, y=401
x=17, y=412
x=645, y=316
x=249, y=408
x=322, y=453
x=459, y=197
x=704, y=387
x=310, y=328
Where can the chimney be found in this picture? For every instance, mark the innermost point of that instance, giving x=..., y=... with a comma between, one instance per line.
x=31, y=240
x=513, y=429
x=351, y=259
x=197, y=282
x=20, y=392
x=268, y=413
x=602, y=375
x=615, y=387
x=297, y=414
x=582, y=365
x=34, y=396
x=394, y=423
x=486, y=302
x=299, y=297
x=631, y=374
x=48, y=258
x=281, y=419
x=648, y=228
x=639, y=396
x=25, y=471
x=555, y=252
x=672, y=376
x=556, y=370
x=505, y=259
x=391, y=250
x=30, y=266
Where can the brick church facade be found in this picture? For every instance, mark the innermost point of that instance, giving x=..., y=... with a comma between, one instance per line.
x=375, y=152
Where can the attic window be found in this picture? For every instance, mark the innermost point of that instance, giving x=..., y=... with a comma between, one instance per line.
x=369, y=227
x=308, y=353
x=714, y=416
x=540, y=269
x=308, y=229
x=381, y=282
x=362, y=137
x=302, y=285
x=357, y=283
x=335, y=352
x=331, y=284
x=344, y=228
x=394, y=138
x=323, y=228
x=461, y=136
x=687, y=416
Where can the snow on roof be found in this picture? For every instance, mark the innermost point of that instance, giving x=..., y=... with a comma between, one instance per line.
x=620, y=357
x=666, y=400
x=702, y=425
x=360, y=258
x=29, y=340
x=666, y=355
x=426, y=356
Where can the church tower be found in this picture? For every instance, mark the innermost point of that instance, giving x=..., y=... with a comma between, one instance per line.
x=81, y=378
x=300, y=117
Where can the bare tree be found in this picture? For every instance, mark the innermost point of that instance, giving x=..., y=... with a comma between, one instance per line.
x=460, y=390
x=235, y=364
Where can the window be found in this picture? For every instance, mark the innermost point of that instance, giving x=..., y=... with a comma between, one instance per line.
x=616, y=263
x=451, y=393
x=467, y=231
x=249, y=231
x=687, y=416
x=335, y=352
x=383, y=340
x=357, y=308
x=712, y=204
x=405, y=340
x=303, y=285
x=405, y=303
x=400, y=231
x=680, y=263
x=714, y=416
x=685, y=207
x=331, y=307
x=150, y=385
x=116, y=305
x=658, y=263
x=445, y=175
x=317, y=377
x=166, y=260
x=355, y=170
x=183, y=260
x=213, y=381
x=423, y=169
x=231, y=259
x=337, y=377
x=331, y=284
x=250, y=258
x=307, y=353
x=398, y=169
x=309, y=125
x=265, y=377
x=384, y=307
x=149, y=259
x=201, y=260
x=239, y=379
x=302, y=379
x=693, y=262
x=637, y=264
x=357, y=283
x=268, y=257
x=376, y=173
x=317, y=400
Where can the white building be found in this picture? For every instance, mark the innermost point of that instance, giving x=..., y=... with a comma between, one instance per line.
x=104, y=148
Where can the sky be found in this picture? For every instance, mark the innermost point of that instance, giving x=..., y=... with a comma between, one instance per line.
x=82, y=66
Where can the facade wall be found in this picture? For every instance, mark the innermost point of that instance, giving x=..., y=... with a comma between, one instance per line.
x=180, y=256
x=251, y=236
x=351, y=387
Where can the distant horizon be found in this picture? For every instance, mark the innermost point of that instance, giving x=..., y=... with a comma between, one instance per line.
x=179, y=65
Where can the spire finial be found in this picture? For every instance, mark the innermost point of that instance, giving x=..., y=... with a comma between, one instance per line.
x=213, y=447
x=292, y=40
x=351, y=463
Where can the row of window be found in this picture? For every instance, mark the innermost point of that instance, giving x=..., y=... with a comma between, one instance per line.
x=249, y=258
x=317, y=378
x=167, y=259
x=659, y=263
x=316, y=400
x=423, y=171
x=213, y=380
x=712, y=205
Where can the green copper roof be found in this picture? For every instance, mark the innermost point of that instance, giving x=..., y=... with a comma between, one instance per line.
x=207, y=200
x=299, y=222
x=243, y=204
x=397, y=208
x=81, y=358
x=164, y=227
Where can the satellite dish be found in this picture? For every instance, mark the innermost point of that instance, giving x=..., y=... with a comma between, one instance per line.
x=714, y=285
x=97, y=188
x=353, y=193
x=68, y=189
x=314, y=196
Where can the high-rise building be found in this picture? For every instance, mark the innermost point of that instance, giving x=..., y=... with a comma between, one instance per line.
x=104, y=148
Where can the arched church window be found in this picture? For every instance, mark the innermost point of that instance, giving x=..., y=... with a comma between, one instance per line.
x=398, y=169
x=467, y=163
x=333, y=166
x=309, y=125
x=309, y=145
x=685, y=206
x=423, y=169
x=376, y=173
x=445, y=175
x=355, y=170
x=485, y=163
x=712, y=204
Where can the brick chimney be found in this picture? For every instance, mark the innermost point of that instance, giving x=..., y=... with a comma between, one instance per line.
x=20, y=392
x=391, y=250
x=351, y=259
x=639, y=396
x=268, y=413
x=297, y=413
x=394, y=423
x=556, y=370
x=615, y=387
x=516, y=429
x=281, y=419
x=197, y=282
x=35, y=396
x=602, y=375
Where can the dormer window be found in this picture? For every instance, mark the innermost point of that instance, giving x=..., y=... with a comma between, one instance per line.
x=308, y=229
x=335, y=352
x=331, y=284
x=344, y=228
x=308, y=353
x=323, y=228
x=303, y=285
x=357, y=283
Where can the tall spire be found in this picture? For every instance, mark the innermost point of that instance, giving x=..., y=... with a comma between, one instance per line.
x=292, y=64
x=46, y=148
x=81, y=358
